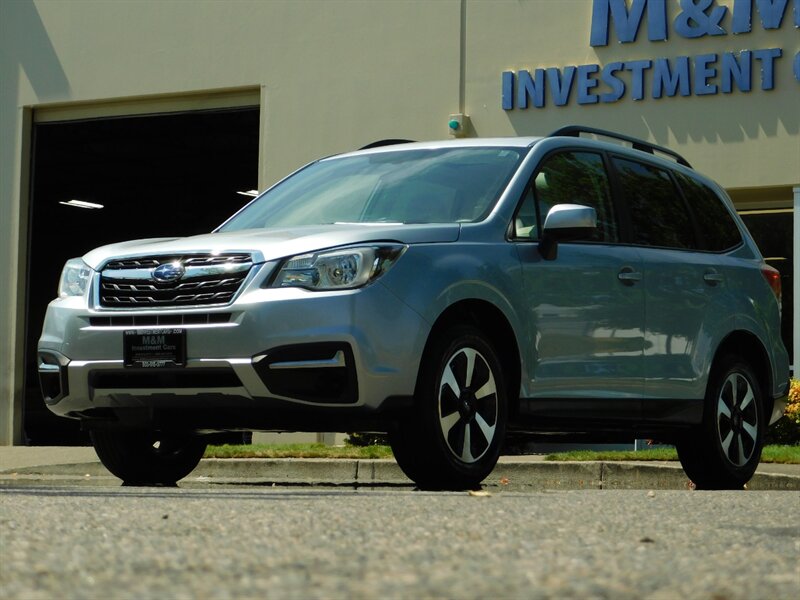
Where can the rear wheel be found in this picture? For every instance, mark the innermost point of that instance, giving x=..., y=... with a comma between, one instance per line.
x=726, y=449
x=146, y=457
x=452, y=440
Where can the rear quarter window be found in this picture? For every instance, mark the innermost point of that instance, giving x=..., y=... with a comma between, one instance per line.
x=718, y=229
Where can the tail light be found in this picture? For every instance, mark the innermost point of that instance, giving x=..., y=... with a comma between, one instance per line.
x=773, y=278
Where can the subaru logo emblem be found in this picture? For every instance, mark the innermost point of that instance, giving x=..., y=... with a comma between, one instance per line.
x=169, y=272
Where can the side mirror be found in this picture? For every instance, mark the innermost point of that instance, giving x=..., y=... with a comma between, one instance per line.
x=566, y=222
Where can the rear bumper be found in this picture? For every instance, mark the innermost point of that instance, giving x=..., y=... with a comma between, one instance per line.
x=778, y=406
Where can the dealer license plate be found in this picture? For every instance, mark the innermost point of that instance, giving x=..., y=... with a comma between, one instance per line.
x=154, y=348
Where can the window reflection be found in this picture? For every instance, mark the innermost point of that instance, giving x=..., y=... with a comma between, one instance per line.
x=568, y=178
x=657, y=211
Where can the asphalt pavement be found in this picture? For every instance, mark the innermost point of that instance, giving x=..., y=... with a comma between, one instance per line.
x=531, y=472
x=232, y=542
x=357, y=529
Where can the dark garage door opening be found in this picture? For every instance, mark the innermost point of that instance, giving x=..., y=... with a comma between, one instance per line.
x=154, y=175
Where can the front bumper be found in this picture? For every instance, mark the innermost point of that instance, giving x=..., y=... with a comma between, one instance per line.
x=271, y=348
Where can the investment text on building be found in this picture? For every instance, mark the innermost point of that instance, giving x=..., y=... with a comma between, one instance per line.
x=735, y=70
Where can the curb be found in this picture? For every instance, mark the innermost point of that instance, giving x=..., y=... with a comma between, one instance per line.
x=509, y=474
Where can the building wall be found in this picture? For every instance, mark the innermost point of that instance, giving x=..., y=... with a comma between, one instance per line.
x=741, y=139
x=334, y=75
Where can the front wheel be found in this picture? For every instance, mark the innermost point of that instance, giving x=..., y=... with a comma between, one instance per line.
x=726, y=449
x=453, y=437
x=146, y=457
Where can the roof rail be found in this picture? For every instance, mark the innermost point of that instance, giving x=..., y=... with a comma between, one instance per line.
x=389, y=142
x=577, y=130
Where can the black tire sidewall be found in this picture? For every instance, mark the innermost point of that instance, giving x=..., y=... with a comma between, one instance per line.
x=130, y=455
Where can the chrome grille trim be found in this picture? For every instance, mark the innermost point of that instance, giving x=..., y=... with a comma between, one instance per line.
x=191, y=271
x=214, y=279
x=151, y=287
x=149, y=262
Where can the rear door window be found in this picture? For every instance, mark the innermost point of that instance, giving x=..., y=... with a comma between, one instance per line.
x=659, y=216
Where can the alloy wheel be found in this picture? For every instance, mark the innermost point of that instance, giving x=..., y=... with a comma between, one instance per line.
x=468, y=405
x=737, y=419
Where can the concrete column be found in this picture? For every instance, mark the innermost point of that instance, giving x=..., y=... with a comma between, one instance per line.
x=13, y=260
x=796, y=281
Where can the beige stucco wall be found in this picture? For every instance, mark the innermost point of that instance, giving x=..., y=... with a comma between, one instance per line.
x=333, y=75
x=740, y=139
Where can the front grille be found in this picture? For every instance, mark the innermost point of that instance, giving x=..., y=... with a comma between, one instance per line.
x=208, y=279
x=160, y=320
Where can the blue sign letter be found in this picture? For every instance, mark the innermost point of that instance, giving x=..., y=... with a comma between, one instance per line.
x=637, y=69
x=626, y=24
x=612, y=81
x=560, y=87
x=797, y=66
x=508, y=90
x=736, y=70
x=694, y=22
x=527, y=88
x=703, y=72
x=668, y=81
x=770, y=11
x=586, y=83
x=767, y=58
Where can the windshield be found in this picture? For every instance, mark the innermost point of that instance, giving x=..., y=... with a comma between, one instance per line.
x=452, y=185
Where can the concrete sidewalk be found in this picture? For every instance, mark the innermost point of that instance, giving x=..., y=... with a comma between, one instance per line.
x=512, y=472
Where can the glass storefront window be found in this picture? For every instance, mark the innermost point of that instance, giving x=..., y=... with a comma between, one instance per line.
x=772, y=231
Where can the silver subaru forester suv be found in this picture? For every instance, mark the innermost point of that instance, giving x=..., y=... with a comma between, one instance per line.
x=447, y=293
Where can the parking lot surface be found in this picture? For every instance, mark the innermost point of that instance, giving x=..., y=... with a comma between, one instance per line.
x=241, y=541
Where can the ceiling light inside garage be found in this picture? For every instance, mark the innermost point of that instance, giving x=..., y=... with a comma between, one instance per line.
x=251, y=193
x=82, y=204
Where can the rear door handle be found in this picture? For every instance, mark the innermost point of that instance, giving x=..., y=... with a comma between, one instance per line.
x=712, y=277
x=628, y=276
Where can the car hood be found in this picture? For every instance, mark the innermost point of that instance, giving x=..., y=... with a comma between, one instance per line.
x=272, y=244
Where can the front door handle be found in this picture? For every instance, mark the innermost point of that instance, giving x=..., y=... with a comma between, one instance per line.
x=628, y=276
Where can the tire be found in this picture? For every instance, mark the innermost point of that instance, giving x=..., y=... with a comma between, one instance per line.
x=452, y=439
x=725, y=450
x=146, y=457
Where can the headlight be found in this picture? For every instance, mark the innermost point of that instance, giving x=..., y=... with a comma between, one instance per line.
x=340, y=269
x=74, y=278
